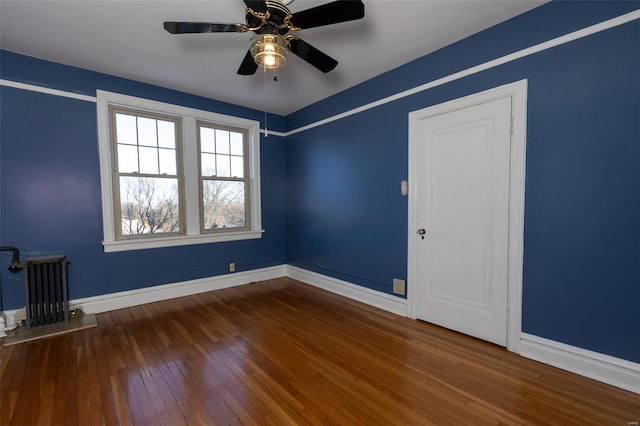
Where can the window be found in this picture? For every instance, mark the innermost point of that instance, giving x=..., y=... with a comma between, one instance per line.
x=172, y=175
x=148, y=177
x=223, y=186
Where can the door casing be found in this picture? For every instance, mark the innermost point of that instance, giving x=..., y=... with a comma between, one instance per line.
x=518, y=93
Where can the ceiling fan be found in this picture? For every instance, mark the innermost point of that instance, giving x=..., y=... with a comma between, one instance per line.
x=271, y=20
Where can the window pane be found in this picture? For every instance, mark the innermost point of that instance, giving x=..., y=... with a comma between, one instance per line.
x=147, y=132
x=127, y=158
x=223, y=204
x=207, y=140
x=149, y=205
x=168, y=161
x=148, y=160
x=126, y=129
x=237, y=167
x=222, y=165
x=208, y=165
x=222, y=141
x=166, y=134
x=237, y=147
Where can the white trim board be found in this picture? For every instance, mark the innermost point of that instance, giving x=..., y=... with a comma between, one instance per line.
x=518, y=93
x=87, y=98
x=3, y=326
x=268, y=132
x=351, y=291
x=127, y=299
x=189, y=149
x=603, y=368
x=130, y=298
x=575, y=35
x=593, y=29
x=46, y=90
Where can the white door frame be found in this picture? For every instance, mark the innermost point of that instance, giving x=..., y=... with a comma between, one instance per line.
x=518, y=93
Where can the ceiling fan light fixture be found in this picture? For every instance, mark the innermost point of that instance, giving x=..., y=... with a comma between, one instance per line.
x=269, y=50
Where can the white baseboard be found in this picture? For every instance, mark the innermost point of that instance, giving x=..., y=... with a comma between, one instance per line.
x=127, y=299
x=11, y=319
x=3, y=325
x=367, y=296
x=157, y=293
x=604, y=368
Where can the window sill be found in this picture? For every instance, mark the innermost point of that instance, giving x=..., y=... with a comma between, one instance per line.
x=182, y=240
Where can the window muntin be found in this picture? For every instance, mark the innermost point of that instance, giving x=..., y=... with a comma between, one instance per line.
x=148, y=180
x=224, y=183
x=187, y=167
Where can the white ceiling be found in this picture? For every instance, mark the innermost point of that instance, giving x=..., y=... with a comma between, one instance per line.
x=126, y=39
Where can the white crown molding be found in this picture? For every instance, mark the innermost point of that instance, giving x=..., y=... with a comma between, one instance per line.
x=604, y=368
x=46, y=90
x=94, y=99
x=269, y=132
x=575, y=35
x=593, y=29
x=567, y=38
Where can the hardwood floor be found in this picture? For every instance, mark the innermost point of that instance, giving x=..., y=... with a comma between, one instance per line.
x=280, y=352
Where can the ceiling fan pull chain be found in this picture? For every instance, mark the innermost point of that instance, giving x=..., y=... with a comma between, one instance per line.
x=264, y=94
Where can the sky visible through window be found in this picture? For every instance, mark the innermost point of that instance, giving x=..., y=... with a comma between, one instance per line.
x=222, y=165
x=148, y=168
x=145, y=145
x=222, y=153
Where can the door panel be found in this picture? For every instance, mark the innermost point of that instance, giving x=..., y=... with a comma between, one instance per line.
x=464, y=206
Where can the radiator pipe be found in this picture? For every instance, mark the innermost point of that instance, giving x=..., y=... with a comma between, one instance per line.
x=15, y=266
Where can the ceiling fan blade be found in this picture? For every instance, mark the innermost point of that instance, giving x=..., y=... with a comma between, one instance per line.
x=304, y=50
x=248, y=65
x=327, y=14
x=256, y=5
x=203, y=27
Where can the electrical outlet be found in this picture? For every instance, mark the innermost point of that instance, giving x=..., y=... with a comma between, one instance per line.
x=398, y=286
x=232, y=267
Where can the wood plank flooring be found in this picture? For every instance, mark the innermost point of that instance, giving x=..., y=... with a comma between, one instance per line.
x=283, y=353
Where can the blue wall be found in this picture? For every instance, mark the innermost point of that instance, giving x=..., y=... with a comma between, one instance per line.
x=50, y=187
x=344, y=214
x=347, y=219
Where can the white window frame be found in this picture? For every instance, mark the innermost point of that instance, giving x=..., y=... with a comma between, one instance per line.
x=190, y=166
x=201, y=178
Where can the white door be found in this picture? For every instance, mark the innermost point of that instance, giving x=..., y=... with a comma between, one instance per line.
x=463, y=161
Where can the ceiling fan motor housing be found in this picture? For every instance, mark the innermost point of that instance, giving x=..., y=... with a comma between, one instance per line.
x=277, y=13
